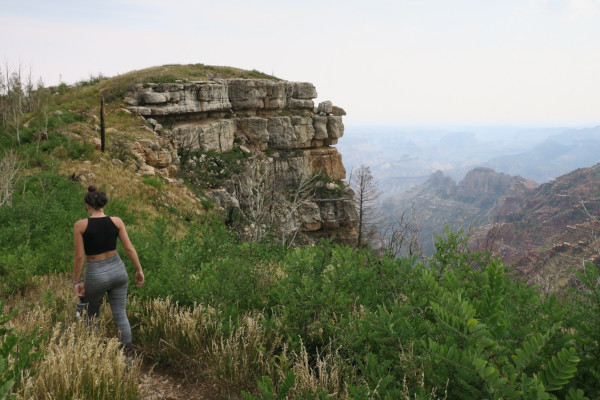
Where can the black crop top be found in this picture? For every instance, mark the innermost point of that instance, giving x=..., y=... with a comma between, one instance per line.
x=100, y=236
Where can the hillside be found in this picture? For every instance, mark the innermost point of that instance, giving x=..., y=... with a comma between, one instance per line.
x=258, y=299
x=441, y=201
x=549, y=230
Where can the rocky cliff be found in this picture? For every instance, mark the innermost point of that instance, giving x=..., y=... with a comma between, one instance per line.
x=272, y=123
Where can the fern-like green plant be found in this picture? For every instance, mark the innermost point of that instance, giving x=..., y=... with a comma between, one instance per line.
x=476, y=347
x=268, y=392
x=585, y=306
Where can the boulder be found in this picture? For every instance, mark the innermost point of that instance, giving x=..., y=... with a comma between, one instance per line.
x=304, y=90
x=152, y=98
x=245, y=150
x=338, y=111
x=97, y=143
x=144, y=111
x=325, y=107
x=146, y=170
x=132, y=101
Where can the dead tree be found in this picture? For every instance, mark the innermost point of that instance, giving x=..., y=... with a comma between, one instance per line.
x=401, y=235
x=266, y=208
x=9, y=167
x=255, y=194
x=366, y=193
x=102, y=130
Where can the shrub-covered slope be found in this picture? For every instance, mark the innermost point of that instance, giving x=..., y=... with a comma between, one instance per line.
x=262, y=320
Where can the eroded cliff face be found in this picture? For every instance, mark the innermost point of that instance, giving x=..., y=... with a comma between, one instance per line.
x=275, y=122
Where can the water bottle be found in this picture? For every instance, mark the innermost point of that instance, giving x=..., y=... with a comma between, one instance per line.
x=81, y=306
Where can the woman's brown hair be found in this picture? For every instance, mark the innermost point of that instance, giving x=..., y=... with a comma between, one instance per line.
x=95, y=199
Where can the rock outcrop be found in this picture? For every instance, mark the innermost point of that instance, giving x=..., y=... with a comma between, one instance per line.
x=275, y=119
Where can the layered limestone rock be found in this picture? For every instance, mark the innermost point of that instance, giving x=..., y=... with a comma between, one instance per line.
x=260, y=116
x=214, y=136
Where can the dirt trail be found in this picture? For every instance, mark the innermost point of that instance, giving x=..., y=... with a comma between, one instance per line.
x=157, y=384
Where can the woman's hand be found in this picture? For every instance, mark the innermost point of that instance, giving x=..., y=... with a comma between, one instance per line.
x=139, y=277
x=79, y=290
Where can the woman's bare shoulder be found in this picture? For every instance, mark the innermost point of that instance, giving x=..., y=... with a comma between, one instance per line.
x=81, y=224
x=117, y=221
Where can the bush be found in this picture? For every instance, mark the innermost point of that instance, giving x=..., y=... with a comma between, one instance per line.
x=37, y=229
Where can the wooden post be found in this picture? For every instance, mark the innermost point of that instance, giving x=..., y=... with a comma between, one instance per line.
x=102, y=135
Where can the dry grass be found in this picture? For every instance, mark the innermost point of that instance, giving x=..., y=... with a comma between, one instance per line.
x=327, y=375
x=123, y=183
x=178, y=336
x=80, y=363
x=83, y=363
x=248, y=353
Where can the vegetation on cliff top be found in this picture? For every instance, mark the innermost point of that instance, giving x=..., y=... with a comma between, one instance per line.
x=324, y=321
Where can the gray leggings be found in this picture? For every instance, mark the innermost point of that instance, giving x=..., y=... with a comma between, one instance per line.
x=109, y=276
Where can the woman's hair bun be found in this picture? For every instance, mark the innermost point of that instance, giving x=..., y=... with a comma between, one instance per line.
x=95, y=198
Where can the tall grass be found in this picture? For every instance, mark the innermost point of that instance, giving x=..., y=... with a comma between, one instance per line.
x=79, y=362
x=194, y=341
x=82, y=364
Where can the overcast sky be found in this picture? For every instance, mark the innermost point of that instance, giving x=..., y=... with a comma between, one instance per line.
x=407, y=62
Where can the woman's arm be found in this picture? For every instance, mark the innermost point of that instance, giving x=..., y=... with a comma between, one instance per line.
x=130, y=250
x=78, y=230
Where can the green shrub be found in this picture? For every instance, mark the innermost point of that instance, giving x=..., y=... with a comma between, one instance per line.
x=584, y=318
x=153, y=181
x=37, y=229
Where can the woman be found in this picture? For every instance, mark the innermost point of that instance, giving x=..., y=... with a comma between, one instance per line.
x=96, y=238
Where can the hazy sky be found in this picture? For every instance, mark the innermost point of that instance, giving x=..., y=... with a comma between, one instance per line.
x=410, y=62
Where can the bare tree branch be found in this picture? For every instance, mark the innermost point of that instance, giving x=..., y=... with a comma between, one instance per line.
x=9, y=167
